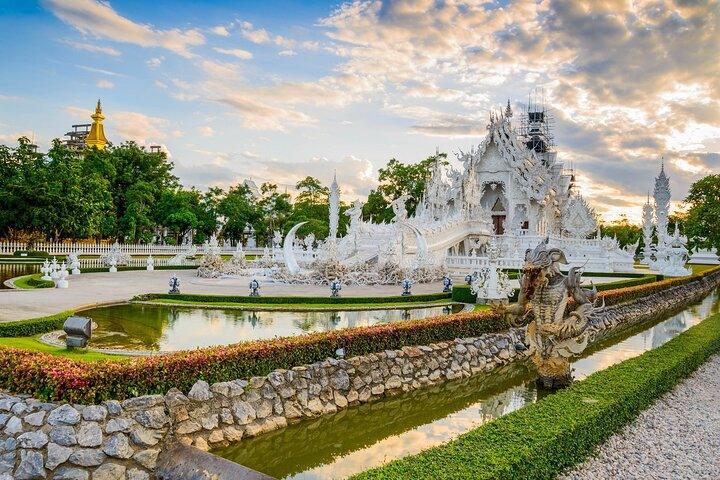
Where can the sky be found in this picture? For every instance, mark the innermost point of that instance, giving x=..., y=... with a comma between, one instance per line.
x=277, y=90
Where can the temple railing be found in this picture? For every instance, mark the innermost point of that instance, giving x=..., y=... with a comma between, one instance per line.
x=65, y=248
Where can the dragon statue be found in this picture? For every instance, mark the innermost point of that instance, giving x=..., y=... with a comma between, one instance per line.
x=552, y=333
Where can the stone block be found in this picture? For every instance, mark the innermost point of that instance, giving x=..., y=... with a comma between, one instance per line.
x=64, y=415
x=63, y=435
x=118, y=446
x=87, y=457
x=89, y=434
x=57, y=455
x=200, y=391
x=147, y=458
x=110, y=471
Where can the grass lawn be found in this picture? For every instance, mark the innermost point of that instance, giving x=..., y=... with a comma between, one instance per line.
x=700, y=268
x=23, y=282
x=479, y=307
x=302, y=306
x=32, y=343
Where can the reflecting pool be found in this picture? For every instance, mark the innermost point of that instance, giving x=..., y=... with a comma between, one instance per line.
x=16, y=269
x=166, y=328
x=358, y=438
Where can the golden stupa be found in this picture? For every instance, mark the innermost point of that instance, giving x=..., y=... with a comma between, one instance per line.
x=96, y=137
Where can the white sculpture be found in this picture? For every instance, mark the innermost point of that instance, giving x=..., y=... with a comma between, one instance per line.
x=150, y=263
x=115, y=257
x=54, y=270
x=62, y=281
x=334, y=206
x=74, y=262
x=647, y=229
x=704, y=256
x=491, y=285
x=113, y=264
x=46, y=270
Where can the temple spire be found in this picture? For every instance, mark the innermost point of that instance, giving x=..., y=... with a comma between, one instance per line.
x=96, y=137
x=508, y=110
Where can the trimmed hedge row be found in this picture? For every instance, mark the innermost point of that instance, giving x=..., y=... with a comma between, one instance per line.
x=430, y=297
x=37, y=282
x=35, y=326
x=542, y=440
x=127, y=269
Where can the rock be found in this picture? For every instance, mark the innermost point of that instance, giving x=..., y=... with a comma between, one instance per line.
x=63, y=435
x=210, y=422
x=276, y=378
x=87, y=457
x=95, y=413
x=119, y=425
x=188, y=426
x=175, y=398
x=144, y=437
x=35, y=439
x=263, y=409
x=57, y=455
x=340, y=400
x=143, y=403
x=147, y=458
x=7, y=403
x=19, y=408
x=71, y=473
x=136, y=474
x=244, y=412
x=393, y=382
x=232, y=434
x=89, y=435
x=4, y=417
x=216, y=436
x=7, y=463
x=64, y=415
x=35, y=419
x=377, y=390
x=292, y=410
x=113, y=407
x=202, y=444
x=200, y=392
x=31, y=466
x=118, y=446
x=13, y=426
x=109, y=471
x=226, y=416
x=340, y=380
x=153, y=418
x=315, y=406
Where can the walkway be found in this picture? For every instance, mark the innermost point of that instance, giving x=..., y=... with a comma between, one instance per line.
x=677, y=438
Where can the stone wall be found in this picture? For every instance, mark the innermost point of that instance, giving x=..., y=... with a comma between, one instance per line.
x=122, y=440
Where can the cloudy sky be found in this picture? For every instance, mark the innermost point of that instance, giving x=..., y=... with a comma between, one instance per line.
x=276, y=90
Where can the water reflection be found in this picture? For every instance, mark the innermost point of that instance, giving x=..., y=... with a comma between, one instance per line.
x=353, y=440
x=164, y=328
x=12, y=270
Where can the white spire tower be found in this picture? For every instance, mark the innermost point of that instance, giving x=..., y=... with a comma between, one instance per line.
x=661, y=194
x=647, y=228
x=334, y=209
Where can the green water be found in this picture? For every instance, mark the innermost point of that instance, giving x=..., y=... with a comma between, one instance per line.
x=358, y=438
x=165, y=328
x=16, y=269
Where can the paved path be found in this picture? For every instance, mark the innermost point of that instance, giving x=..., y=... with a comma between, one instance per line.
x=677, y=438
x=97, y=288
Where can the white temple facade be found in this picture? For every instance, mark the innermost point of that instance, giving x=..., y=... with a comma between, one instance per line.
x=511, y=192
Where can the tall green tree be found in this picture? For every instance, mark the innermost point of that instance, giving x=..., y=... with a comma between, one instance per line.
x=274, y=209
x=625, y=232
x=701, y=224
x=398, y=179
x=240, y=209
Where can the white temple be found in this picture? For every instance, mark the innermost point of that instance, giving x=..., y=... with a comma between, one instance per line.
x=511, y=191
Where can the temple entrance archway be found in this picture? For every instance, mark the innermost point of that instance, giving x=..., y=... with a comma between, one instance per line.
x=494, y=201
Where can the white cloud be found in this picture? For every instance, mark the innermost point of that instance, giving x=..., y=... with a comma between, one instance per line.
x=287, y=53
x=235, y=52
x=88, y=47
x=254, y=35
x=105, y=84
x=154, y=62
x=220, y=30
x=160, y=84
x=206, y=131
x=98, y=70
x=101, y=20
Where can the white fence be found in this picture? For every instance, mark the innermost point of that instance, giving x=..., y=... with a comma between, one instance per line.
x=65, y=248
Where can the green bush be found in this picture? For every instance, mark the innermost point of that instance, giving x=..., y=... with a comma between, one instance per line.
x=127, y=269
x=462, y=293
x=543, y=439
x=37, y=282
x=30, y=254
x=430, y=297
x=26, y=328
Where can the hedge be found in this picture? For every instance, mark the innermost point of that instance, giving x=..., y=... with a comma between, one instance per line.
x=430, y=297
x=127, y=269
x=35, y=326
x=543, y=439
x=49, y=377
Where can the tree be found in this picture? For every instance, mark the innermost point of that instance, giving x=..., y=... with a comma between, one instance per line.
x=240, y=209
x=398, y=179
x=625, y=232
x=701, y=223
x=274, y=209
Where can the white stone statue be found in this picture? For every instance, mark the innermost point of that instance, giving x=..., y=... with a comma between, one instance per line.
x=113, y=265
x=74, y=262
x=55, y=270
x=62, y=281
x=150, y=263
x=46, y=270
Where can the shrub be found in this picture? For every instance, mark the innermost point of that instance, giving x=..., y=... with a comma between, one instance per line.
x=543, y=439
x=30, y=254
x=462, y=293
x=430, y=297
x=26, y=328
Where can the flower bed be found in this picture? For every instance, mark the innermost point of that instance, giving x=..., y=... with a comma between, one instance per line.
x=541, y=440
x=50, y=377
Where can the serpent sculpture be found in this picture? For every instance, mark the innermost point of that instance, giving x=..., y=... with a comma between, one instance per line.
x=553, y=334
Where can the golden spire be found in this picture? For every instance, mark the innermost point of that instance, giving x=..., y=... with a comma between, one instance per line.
x=96, y=137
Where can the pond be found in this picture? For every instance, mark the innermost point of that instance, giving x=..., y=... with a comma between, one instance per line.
x=16, y=269
x=358, y=438
x=166, y=328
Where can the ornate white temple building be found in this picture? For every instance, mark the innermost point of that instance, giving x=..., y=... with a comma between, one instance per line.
x=510, y=193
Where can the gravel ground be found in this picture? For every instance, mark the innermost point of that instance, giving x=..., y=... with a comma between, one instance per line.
x=677, y=438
